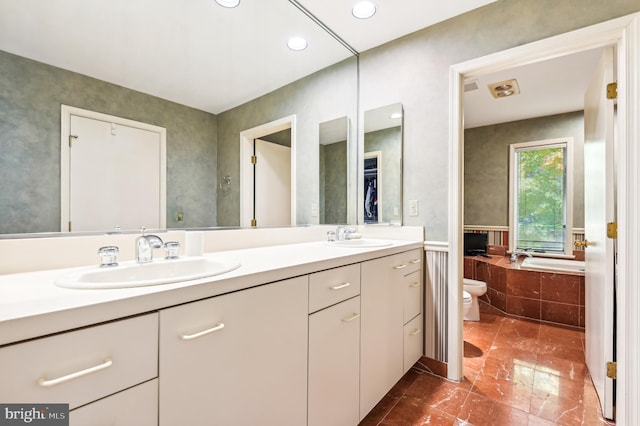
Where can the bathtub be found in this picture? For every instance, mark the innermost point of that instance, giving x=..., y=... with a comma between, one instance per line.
x=553, y=265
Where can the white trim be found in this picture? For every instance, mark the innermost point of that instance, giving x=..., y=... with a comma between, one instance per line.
x=624, y=33
x=514, y=148
x=66, y=112
x=442, y=246
x=506, y=228
x=246, y=177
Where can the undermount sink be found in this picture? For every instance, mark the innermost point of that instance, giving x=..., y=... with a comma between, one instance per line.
x=359, y=243
x=132, y=274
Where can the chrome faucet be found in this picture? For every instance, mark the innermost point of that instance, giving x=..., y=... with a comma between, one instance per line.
x=343, y=232
x=516, y=253
x=145, y=245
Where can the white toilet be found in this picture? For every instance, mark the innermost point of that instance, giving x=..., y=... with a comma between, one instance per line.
x=473, y=288
x=466, y=303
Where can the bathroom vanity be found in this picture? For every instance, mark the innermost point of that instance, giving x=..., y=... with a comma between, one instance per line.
x=298, y=334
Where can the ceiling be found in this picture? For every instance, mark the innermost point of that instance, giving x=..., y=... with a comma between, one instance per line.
x=546, y=88
x=182, y=50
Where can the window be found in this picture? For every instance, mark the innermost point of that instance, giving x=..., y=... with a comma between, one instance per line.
x=540, y=185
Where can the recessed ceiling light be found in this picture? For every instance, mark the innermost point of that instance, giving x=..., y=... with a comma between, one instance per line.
x=228, y=3
x=364, y=10
x=297, y=43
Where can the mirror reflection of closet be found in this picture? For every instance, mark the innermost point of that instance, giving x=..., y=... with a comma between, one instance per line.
x=333, y=171
x=382, y=174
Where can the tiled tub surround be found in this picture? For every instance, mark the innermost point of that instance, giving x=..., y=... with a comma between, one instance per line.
x=552, y=297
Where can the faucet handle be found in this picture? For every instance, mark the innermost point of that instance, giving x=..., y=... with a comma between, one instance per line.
x=171, y=249
x=108, y=256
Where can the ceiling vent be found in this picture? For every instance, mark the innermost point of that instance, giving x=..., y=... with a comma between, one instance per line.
x=471, y=85
x=504, y=89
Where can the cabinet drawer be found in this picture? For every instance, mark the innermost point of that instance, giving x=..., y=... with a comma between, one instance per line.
x=81, y=366
x=413, y=337
x=332, y=286
x=409, y=262
x=412, y=295
x=135, y=406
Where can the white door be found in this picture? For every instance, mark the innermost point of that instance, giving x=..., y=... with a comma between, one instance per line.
x=599, y=207
x=272, y=189
x=114, y=176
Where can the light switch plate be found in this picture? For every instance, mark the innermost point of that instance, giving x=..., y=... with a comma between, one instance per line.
x=413, y=207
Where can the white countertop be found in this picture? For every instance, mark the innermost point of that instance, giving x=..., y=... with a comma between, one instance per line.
x=31, y=305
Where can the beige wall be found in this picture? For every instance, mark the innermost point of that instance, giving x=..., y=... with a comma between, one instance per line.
x=414, y=70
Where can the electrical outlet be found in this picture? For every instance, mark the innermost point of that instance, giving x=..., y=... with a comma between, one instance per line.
x=396, y=211
x=413, y=207
x=180, y=216
x=314, y=210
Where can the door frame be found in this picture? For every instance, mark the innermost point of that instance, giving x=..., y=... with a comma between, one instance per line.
x=624, y=34
x=246, y=171
x=66, y=112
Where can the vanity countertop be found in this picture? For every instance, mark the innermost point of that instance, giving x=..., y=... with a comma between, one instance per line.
x=31, y=305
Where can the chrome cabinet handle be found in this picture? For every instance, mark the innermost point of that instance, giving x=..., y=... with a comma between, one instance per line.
x=351, y=318
x=414, y=285
x=414, y=261
x=219, y=326
x=415, y=332
x=52, y=382
x=400, y=267
x=340, y=286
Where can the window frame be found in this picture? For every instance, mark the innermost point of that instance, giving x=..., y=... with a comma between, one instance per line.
x=567, y=143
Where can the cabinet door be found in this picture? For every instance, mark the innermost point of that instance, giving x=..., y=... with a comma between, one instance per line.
x=334, y=360
x=381, y=356
x=237, y=359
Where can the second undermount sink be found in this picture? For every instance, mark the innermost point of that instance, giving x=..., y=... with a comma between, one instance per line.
x=132, y=274
x=359, y=243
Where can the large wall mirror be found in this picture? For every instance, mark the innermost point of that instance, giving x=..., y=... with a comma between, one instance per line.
x=202, y=72
x=382, y=166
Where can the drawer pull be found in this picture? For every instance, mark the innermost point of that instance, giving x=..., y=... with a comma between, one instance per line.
x=414, y=285
x=415, y=332
x=414, y=261
x=52, y=382
x=400, y=267
x=340, y=286
x=351, y=318
x=219, y=326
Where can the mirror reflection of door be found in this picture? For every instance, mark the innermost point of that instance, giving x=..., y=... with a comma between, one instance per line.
x=114, y=175
x=383, y=134
x=372, y=189
x=333, y=171
x=272, y=182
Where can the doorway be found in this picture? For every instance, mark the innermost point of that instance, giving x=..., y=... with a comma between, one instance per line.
x=267, y=174
x=622, y=33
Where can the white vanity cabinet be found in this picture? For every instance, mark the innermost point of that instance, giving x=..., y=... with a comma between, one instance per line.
x=238, y=359
x=102, y=363
x=334, y=347
x=387, y=300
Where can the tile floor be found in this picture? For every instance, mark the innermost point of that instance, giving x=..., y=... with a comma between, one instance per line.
x=517, y=372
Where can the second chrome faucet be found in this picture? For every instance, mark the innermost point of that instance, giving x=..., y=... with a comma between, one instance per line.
x=145, y=244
